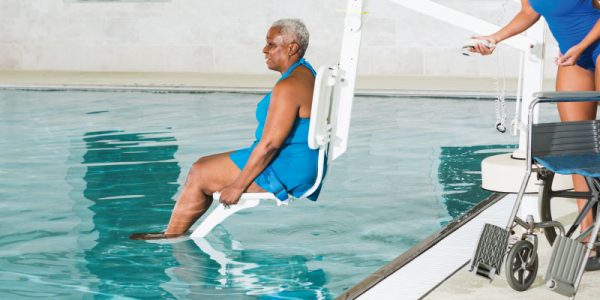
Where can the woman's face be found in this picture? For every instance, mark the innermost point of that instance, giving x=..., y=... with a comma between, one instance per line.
x=276, y=50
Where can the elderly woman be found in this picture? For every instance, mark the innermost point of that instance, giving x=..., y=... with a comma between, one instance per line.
x=279, y=161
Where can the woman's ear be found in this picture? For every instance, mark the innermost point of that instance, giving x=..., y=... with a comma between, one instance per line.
x=293, y=49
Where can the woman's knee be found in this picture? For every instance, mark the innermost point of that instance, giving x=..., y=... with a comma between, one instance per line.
x=197, y=173
x=204, y=174
x=211, y=173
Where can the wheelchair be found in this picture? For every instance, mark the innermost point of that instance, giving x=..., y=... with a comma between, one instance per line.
x=552, y=148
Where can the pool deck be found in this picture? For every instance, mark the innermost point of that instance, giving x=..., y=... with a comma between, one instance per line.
x=438, y=268
x=365, y=85
x=465, y=285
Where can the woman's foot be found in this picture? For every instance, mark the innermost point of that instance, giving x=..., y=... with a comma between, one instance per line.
x=153, y=236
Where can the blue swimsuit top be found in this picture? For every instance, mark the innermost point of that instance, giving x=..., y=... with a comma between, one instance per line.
x=299, y=132
x=569, y=20
x=294, y=169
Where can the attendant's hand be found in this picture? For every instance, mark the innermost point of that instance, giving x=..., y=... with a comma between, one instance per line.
x=569, y=58
x=481, y=48
x=230, y=195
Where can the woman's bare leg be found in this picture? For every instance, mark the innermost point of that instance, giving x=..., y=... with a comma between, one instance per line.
x=208, y=175
x=575, y=78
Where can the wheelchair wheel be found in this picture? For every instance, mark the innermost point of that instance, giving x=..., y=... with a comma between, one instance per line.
x=548, y=204
x=520, y=275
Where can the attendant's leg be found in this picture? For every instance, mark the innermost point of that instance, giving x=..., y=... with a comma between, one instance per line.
x=575, y=78
x=208, y=175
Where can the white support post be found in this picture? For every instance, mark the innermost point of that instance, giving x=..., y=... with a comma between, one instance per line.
x=533, y=77
x=346, y=79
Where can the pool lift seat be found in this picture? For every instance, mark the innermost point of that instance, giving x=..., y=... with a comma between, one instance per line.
x=323, y=135
x=564, y=148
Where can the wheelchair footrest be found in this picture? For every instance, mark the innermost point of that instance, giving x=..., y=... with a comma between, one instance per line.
x=490, y=252
x=565, y=266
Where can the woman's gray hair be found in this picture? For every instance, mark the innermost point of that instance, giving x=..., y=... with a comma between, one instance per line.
x=295, y=29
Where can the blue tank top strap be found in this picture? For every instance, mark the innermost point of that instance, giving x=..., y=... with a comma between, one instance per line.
x=301, y=61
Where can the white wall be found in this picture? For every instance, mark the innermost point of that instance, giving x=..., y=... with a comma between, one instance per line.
x=226, y=36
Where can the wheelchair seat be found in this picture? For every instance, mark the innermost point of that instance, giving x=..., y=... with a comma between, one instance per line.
x=568, y=147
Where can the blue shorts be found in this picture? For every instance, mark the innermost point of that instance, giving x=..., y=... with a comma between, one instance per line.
x=589, y=57
x=292, y=171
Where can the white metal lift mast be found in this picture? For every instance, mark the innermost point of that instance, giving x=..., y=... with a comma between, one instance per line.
x=346, y=77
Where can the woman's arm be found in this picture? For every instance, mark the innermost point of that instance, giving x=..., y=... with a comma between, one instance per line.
x=282, y=113
x=570, y=58
x=521, y=22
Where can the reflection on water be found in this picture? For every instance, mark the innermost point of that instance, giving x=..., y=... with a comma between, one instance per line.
x=132, y=178
x=459, y=173
x=233, y=270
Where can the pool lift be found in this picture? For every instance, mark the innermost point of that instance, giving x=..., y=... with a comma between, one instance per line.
x=334, y=91
x=329, y=119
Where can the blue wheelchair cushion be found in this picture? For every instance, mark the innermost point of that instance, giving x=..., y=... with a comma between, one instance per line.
x=586, y=164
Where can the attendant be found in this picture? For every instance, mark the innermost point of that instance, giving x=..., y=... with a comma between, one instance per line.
x=575, y=26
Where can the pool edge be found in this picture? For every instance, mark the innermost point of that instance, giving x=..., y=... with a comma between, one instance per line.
x=416, y=93
x=414, y=252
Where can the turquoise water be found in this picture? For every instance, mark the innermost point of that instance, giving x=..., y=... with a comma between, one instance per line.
x=80, y=171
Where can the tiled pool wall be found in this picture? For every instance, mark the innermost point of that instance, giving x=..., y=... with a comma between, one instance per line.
x=215, y=36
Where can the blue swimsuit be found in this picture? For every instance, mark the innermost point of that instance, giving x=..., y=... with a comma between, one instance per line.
x=570, y=21
x=293, y=170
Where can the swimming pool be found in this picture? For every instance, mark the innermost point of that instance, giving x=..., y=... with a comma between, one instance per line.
x=82, y=170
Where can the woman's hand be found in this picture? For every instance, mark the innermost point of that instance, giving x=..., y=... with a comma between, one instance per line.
x=481, y=48
x=230, y=195
x=569, y=58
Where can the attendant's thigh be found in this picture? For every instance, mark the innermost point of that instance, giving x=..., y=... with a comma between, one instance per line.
x=576, y=79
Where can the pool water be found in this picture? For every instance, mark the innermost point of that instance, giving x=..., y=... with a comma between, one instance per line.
x=80, y=171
